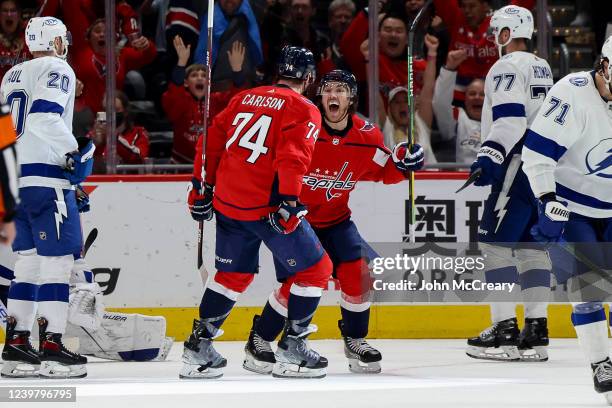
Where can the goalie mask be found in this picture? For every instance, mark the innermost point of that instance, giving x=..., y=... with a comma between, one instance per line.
x=41, y=32
x=517, y=20
x=337, y=95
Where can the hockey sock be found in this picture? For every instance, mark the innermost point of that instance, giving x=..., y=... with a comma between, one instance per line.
x=535, y=288
x=271, y=322
x=303, y=302
x=53, y=305
x=22, y=304
x=589, y=320
x=502, y=310
x=215, y=307
x=355, y=323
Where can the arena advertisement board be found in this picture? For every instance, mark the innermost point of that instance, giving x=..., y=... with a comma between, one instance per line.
x=147, y=240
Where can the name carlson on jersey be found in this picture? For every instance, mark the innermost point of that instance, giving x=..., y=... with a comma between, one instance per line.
x=330, y=183
x=263, y=101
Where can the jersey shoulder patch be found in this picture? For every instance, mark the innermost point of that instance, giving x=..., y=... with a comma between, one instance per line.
x=367, y=126
x=579, y=81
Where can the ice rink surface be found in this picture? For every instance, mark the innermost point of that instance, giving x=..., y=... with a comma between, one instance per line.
x=416, y=373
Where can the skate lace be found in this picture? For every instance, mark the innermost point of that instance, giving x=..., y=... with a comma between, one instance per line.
x=488, y=331
x=304, y=349
x=359, y=346
x=603, y=371
x=261, y=345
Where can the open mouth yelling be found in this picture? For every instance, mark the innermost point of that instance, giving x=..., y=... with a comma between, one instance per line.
x=199, y=87
x=333, y=107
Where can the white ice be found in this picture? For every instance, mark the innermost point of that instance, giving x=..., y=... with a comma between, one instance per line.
x=416, y=373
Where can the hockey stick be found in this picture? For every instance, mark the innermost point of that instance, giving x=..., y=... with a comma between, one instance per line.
x=208, y=63
x=473, y=177
x=93, y=234
x=413, y=26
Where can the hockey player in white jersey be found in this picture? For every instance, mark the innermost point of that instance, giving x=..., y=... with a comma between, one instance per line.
x=515, y=88
x=41, y=95
x=567, y=158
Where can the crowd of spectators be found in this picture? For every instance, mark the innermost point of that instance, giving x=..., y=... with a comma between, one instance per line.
x=161, y=47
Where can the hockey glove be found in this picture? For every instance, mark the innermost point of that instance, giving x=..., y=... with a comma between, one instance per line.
x=408, y=159
x=286, y=219
x=79, y=164
x=82, y=199
x=552, y=216
x=200, y=200
x=489, y=160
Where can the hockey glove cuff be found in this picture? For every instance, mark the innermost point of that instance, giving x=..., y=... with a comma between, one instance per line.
x=552, y=216
x=286, y=219
x=490, y=160
x=200, y=200
x=79, y=164
x=406, y=159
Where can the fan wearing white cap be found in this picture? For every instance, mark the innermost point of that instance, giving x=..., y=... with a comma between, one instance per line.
x=567, y=157
x=515, y=89
x=40, y=93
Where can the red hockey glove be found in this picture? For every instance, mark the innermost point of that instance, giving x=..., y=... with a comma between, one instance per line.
x=286, y=219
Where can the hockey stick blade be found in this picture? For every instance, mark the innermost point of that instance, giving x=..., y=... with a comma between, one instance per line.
x=473, y=177
x=93, y=234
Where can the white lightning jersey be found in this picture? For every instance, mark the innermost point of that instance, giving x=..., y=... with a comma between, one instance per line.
x=568, y=149
x=515, y=88
x=40, y=93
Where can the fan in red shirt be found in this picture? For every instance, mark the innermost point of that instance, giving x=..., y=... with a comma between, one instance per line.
x=90, y=63
x=348, y=150
x=12, y=45
x=184, y=100
x=468, y=22
x=258, y=149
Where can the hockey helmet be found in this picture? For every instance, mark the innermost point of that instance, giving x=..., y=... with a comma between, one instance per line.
x=340, y=76
x=41, y=32
x=296, y=63
x=516, y=19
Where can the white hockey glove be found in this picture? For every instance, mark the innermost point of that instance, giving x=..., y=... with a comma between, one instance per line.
x=86, y=307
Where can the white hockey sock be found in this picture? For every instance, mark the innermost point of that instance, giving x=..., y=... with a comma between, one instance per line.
x=536, y=310
x=592, y=330
x=502, y=311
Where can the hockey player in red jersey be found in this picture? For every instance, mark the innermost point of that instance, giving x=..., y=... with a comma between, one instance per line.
x=257, y=152
x=349, y=149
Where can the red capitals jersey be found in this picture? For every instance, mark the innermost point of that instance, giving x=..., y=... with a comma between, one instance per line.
x=341, y=159
x=258, y=150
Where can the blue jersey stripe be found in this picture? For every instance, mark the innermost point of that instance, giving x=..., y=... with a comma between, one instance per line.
x=580, y=198
x=45, y=106
x=546, y=147
x=509, y=110
x=42, y=170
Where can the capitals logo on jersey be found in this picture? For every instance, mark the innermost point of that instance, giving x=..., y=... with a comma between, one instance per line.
x=599, y=159
x=330, y=181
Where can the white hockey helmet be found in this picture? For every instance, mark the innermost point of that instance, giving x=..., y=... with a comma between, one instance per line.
x=606, y=53
x=516, y=19
x=41, y=32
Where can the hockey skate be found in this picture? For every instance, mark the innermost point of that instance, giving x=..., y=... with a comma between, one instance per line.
x=533, y=340
x=602, y=378
x=498, y=342
x=56, y=361
x=259, y=356
x=19, y=358
x=295, y=358
x=200, y=359
x=363, y=358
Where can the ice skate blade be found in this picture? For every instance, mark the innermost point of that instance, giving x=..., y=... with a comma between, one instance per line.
x=256, y=366
x=19, y=369
x=200, y=372
x=53, y=369
x=358, y=367
x=289, y=370
x=537, y=354
x=506, y=353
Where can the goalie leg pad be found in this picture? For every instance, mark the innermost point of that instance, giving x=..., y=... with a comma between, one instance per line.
x=124, y=337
